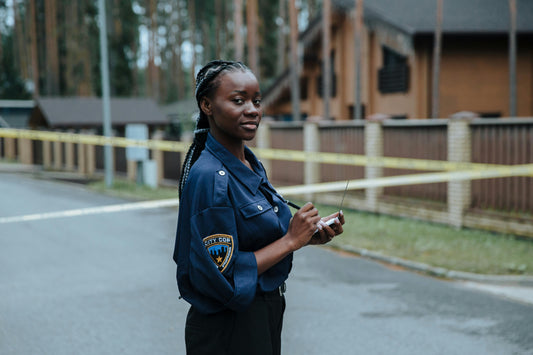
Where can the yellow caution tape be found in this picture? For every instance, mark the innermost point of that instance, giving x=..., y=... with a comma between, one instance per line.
x=93, y=139
x=414, y=179
x=277, y=154
x=362, y=160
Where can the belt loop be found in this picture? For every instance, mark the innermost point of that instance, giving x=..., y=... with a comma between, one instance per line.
x=282, y=289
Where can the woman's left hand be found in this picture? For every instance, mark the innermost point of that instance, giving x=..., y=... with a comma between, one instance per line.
x=326, y=233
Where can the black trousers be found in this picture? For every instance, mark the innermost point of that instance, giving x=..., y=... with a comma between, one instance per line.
x=256, y=331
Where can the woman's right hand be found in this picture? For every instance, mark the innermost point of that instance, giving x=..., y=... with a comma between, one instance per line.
x=302, y=226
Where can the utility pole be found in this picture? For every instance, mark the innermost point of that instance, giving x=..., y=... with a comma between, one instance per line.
x=436, y=62
x=512, y=59
x=104, y=67
x=295, y=65
x=358, y=27
x=326, y=58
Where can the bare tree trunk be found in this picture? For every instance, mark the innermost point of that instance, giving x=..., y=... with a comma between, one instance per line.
x=226, y=47
x=71, y=34
x=512, y=59
x=251, y=22
x=33, y=45
x=19, y=43
x=358, y=114
x=295, y=62
x=149, y=64
x=326, y=58
x=237, y=39
x=282, y=38
x=135, y=73
x=2, y=52
x=206, y=53
x=178, y=64
x=84, y=85
x=192, y=33
x=152, y=51
x=52, y=51
x=436, y=62
x=68, y=33
x=219, y=20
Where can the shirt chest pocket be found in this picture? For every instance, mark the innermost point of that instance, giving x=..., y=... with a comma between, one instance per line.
x=258, y=225
x=255, y=208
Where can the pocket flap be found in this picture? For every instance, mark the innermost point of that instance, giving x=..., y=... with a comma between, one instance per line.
x=254, y=208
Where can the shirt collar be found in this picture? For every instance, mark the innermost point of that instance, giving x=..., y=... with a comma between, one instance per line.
x=251, y=179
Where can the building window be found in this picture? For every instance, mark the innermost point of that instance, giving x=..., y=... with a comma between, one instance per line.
x=393, y=77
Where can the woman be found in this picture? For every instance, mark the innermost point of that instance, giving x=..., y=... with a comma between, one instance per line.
x=235, y=235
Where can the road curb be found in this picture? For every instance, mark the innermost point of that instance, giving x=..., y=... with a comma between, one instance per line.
x=438, y=271
x=12, y=167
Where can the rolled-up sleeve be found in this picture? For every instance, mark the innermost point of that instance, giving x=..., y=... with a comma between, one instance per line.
x=232, y=281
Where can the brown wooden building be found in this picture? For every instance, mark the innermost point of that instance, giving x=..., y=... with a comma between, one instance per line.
x=397, y=61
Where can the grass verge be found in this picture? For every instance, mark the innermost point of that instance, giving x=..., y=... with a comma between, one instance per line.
x=433, y=244
x=129, y=190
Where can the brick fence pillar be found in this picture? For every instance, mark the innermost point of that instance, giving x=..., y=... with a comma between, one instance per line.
x=58, y=155
x=47, y=155
x=131, y=170
x=459, y=150
x=263, y=142
x=9, y=148
x=90, y=156
x=82, y=158
x=159, y=157
x=311, y=145
x=83, y=155
x=69, y=154
x=374, y=149
x=25, y=151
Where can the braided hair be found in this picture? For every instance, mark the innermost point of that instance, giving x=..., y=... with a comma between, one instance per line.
x=206, y=85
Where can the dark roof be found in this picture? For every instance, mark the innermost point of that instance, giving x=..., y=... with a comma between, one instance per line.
x=459, y=16
x=16, y=104
x=184, y=109
x=15, y=113
x=88, y=111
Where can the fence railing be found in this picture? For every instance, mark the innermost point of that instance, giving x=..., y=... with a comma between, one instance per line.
x=495, y=141
x=371, y=153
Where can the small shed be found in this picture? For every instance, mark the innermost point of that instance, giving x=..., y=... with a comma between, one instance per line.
x=61, y=113
x=15, y=113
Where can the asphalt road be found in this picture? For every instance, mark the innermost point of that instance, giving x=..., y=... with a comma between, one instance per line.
x=104, y=283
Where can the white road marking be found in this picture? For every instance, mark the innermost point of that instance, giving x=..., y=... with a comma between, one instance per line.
x=92, y=210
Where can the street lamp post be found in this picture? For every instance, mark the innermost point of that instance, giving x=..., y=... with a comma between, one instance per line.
x=104, y=67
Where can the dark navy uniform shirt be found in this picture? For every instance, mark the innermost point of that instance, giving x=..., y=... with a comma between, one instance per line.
x=227, y=212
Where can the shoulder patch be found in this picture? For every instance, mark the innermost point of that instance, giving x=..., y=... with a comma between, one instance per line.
x=220, y=248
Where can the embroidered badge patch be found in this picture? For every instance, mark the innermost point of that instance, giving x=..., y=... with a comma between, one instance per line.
x=220, y=248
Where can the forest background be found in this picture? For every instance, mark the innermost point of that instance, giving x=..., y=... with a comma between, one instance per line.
x=51, y=47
